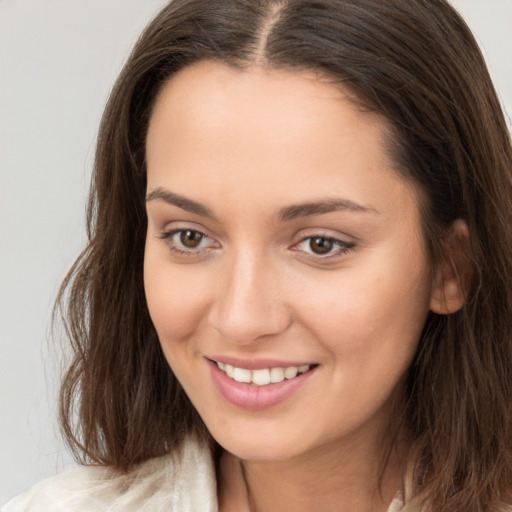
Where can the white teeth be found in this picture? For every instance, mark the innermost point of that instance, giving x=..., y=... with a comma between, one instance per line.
x=264, y=376
x=242, y=375
x=276, y=375
x=261, y=377
x=290, y=372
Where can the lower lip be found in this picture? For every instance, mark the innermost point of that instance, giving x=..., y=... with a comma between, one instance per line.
x=249, y=396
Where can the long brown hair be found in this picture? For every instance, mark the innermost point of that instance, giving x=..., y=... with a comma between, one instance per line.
x=414, y=62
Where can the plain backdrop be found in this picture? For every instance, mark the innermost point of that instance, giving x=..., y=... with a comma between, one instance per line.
x=58, y=61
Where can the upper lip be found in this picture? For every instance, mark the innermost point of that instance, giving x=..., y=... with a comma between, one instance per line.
x=256, y=364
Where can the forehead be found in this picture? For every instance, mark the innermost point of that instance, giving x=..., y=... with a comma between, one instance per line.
x=227, y=132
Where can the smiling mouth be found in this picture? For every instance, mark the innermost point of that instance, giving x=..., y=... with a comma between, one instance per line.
x=262, y=377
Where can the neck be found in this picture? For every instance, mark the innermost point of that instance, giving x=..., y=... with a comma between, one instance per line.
x=338, y=479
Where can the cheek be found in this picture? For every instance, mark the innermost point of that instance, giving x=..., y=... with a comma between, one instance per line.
x=176, y=300
x=371, y=309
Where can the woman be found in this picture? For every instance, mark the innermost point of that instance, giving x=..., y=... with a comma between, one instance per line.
x=296, y=294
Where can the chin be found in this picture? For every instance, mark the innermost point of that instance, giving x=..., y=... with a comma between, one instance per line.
x=261, y=445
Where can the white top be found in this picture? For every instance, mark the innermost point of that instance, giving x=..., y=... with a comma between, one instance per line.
x=158, y=485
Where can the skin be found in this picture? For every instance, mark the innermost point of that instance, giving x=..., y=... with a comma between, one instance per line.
x=246, y=145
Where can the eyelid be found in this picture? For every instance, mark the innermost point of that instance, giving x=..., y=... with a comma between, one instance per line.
x=168, y=234
x=311, y=232
x=165, y=229
x=342, y=245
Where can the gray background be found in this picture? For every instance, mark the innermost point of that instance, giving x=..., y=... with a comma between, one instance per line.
x=58, y=60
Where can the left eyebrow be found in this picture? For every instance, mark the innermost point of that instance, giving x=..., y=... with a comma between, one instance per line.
x=180, y=201
x=295, y=211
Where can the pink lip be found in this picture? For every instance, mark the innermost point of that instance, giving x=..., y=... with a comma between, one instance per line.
x=249, y=396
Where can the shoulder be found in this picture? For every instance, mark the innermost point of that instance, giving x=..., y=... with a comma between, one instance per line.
x=184, y=484
x=397, y=505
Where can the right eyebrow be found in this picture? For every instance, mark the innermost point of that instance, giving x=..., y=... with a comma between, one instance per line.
x=320, y=207
x=180, y=201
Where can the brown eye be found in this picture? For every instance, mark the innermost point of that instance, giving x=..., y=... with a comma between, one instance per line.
x=321, y=245
x=190, y=238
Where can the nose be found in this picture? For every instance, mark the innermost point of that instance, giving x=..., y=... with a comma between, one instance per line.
x=249, y=304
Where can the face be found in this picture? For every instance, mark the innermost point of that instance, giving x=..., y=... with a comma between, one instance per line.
x=285, y=268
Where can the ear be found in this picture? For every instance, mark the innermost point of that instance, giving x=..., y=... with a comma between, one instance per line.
x=453, y=273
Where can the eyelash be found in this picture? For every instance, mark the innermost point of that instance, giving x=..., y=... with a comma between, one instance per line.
x=168, y=237
x=341, y=247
